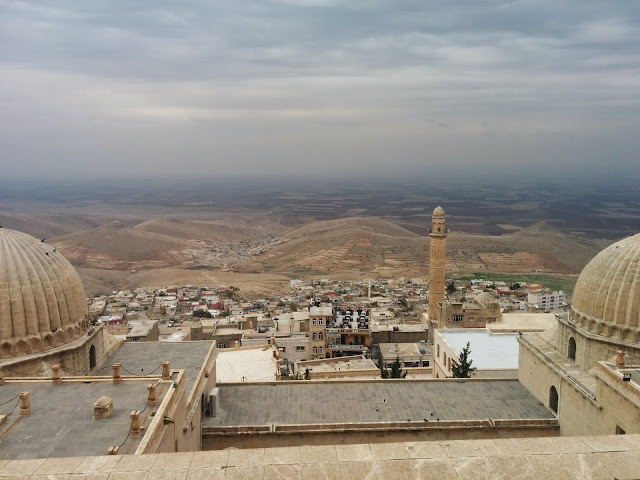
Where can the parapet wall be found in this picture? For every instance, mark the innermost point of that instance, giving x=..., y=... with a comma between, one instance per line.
x=260, y=436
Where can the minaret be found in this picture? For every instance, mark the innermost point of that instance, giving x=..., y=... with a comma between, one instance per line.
x=437, y=251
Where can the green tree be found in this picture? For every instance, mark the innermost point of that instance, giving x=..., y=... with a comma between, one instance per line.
x=396, y=369
x=451, y=288
x=464, y=369
x=293, y=307
x=395, y=372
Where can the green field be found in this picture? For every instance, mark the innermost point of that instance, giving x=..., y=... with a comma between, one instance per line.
x=554, y=282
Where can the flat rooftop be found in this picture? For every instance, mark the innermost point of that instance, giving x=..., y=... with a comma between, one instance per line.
x=488, y=350
x=339, y=364
x=523, y=322
x=145, y=358
x=405, y=327
x=61, y=422
x=381, y=401
x=246, y=365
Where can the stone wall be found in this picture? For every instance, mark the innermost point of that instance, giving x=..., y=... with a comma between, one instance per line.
x=331, y=434
x=74, y=357
x=591, y=348
x=581, y=412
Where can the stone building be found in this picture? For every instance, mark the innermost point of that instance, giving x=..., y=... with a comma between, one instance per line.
x=61, y=370
x=586, y=369
x=43, y=310
x=481, y=311
x=319, y=319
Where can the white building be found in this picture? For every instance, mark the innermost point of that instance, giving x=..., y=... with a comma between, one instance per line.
x=494, y=355
x=547, y=301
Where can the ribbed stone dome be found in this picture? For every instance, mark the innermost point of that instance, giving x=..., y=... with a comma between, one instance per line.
x=42, y=300
x=438, y=212
x=606, y=299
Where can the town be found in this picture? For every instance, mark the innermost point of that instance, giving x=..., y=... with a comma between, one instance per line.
x=330, y=320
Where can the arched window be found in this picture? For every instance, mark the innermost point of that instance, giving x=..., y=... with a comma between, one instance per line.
x=572, y=348
x=92, y=357
x=553, y=399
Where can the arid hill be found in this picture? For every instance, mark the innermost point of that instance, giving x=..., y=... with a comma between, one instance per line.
x=166, y=249
x=379, y=248
x=118, y=247
x=47, y=225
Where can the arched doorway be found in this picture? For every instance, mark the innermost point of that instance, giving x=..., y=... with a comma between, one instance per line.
x=92, y=357
x=553, y=399
x=572, y=348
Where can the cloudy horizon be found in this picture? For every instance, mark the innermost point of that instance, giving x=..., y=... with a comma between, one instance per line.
x=317, y=86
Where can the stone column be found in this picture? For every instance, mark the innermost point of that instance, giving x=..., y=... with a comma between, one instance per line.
x=25, y=404
x=55, y=374
x=151, y=399
x=1, y=376
x=136, y=428
x=166, y=373
x=117, y=377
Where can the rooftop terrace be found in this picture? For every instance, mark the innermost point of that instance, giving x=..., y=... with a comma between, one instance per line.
x=145, y=358
x=61, y=422
x=376, y=401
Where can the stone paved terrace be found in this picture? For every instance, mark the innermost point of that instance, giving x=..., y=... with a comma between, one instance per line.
x=559, y=458
x=381, y=401
x=61, y=422
x=142, y=358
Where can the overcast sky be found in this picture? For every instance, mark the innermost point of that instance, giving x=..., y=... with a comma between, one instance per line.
x=94, y=88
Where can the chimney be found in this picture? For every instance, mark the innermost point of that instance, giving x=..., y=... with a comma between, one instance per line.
x=136, y=428
x=151, y=399
x=113, y=450
x=117, y=377
x=25, y=404
x=166, y=373
x=103, y=408
x=56, y=377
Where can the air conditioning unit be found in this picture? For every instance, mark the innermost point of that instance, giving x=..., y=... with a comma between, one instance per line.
x=214, y=396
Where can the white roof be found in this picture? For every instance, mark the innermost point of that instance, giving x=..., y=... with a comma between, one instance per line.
x=487, y=350
x=248, y=365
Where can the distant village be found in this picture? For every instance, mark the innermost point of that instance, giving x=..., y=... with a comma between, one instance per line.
x=328, y=326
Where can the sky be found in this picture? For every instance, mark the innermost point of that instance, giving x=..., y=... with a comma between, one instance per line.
x=319, y=87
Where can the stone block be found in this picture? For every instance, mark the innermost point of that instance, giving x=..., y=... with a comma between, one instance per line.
x=103, y=408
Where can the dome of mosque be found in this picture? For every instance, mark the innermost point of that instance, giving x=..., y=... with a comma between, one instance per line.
x=606, y=299
x=438, y=212
x=42, y=300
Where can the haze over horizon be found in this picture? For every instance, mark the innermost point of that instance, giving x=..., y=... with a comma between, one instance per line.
x=319, y=87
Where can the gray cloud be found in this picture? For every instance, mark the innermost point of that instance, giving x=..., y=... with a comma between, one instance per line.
x=90, y=88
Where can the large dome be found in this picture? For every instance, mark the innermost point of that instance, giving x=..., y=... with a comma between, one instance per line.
x=606, y=299
x=42, y=300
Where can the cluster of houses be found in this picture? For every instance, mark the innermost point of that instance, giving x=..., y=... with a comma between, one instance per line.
x=322, y=321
